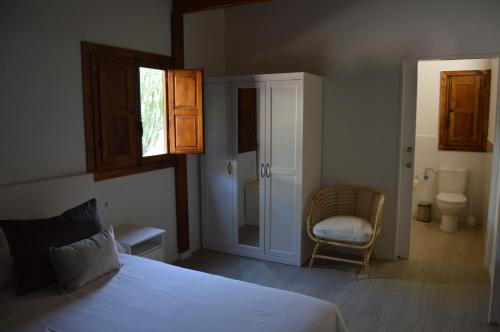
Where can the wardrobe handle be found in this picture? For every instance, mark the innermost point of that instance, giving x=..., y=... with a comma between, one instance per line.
x=268, y=170
x=229, y=167
x=262, y=170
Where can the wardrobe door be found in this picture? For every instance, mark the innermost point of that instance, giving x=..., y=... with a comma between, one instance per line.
x=248, y=100
x=218, y=164
x=284, y=102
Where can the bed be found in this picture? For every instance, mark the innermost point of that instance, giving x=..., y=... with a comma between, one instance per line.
x=147, y=295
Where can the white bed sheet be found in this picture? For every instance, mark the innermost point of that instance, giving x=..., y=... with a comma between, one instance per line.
x=146, y=295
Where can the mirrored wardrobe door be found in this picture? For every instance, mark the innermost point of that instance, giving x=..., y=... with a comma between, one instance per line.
x=248, y=103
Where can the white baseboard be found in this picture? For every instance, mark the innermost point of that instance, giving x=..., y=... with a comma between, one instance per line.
x=184, y=255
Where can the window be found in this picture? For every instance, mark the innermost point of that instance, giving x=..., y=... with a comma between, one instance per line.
x=138, y=111
x=153, y=108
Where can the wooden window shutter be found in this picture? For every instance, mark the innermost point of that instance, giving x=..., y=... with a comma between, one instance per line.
x=115, y=111
x=185, y=111
x=464, y=108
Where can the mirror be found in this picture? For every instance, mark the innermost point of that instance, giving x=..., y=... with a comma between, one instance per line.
x=248, y=167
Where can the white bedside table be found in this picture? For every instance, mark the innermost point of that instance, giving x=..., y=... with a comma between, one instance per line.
x=142, y=241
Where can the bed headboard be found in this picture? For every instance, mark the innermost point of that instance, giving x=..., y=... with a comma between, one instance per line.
x=46, y=198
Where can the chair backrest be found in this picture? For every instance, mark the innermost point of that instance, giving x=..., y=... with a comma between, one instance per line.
x=347, y=201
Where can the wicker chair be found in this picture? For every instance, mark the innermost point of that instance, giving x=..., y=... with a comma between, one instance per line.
x=346, y=217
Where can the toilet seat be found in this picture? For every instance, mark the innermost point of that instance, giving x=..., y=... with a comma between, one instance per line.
x=452, y=198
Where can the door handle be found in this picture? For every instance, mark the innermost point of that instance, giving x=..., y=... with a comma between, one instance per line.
x=409, y=149
x=268, y=170
x=262, y=170
x=229, y=167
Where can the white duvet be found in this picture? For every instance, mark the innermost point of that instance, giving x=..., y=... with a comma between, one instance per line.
x=146, y=295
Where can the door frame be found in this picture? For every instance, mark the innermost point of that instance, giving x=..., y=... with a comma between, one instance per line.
x=407, y=127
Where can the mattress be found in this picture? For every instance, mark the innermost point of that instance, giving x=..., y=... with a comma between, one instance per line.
x=146, y=295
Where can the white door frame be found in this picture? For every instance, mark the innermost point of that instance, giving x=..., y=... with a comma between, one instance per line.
x=409, y=69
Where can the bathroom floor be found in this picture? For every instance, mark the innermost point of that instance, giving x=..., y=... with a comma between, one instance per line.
x=442, y=287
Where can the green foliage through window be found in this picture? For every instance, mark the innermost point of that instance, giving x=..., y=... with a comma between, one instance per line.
x=152, y=111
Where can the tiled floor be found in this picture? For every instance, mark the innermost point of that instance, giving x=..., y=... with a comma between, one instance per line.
x=442, y=287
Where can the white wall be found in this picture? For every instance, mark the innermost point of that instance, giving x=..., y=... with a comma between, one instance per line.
x=204, y=47
x=493, y=99
x=358, y=46
x=427, y=138
x=41, y=103
x=491, y=168
x=487, y=164
x=490, y=222
x=205, y=42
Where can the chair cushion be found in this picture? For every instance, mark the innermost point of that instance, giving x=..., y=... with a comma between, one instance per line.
x=344, y=228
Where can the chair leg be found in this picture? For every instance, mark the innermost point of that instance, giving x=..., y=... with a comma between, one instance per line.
x=316, y=247
x=369, y=252
x=366, y=258
x=375, y=253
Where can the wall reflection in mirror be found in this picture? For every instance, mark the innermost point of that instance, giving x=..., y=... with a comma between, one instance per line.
x=248, y=167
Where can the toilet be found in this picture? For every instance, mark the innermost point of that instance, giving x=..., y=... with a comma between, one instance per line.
x=450, y=199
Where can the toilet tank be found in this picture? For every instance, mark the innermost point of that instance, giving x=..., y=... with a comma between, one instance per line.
x=452, y=180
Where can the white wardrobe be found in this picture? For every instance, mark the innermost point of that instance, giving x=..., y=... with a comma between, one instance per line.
x=262, y=164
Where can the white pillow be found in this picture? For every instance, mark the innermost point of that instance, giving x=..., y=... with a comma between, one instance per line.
x=81, y=262
x=344, y=228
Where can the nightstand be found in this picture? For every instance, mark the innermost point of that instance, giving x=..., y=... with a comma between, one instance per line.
x=147, y=242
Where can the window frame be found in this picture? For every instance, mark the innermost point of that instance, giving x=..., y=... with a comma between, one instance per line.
x=162, y=157
x=91, y=113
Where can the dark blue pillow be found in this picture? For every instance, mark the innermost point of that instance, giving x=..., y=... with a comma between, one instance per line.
x=29, y=242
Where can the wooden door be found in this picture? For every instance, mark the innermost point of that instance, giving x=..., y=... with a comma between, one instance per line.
x=463, y=120
x=218, y=179
x=284, y=102
x=185, y=111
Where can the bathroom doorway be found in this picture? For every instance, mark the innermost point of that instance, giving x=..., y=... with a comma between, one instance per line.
x=422, y=141
x=435, y=171
x=454, y=137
